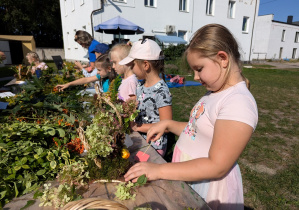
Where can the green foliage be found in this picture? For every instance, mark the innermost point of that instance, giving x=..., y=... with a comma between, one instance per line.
x=173, y=52
x=125, y=191
x=28, y=157
x=58, y=196
x=74, y=174
x=113, y=89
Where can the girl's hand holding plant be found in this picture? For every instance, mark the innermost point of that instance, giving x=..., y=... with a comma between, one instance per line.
x=151, y=171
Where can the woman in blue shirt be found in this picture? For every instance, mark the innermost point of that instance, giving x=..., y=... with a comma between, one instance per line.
x=86, y=41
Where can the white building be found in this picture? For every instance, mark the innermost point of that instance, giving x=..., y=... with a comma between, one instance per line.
x=166, y=17
x=274, y=39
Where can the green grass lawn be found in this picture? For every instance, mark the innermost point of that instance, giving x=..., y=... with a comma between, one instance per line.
x=269, y=163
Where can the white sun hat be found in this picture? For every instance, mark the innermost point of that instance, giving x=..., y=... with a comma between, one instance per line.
x=146, y=49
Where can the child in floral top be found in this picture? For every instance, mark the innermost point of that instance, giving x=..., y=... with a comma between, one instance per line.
x=36, y=65
x=152, y=94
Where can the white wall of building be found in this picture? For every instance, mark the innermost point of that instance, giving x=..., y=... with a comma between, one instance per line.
x=155, y=19
x=268, y=39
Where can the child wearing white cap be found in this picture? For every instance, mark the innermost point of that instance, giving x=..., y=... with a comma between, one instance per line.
x=147, y=61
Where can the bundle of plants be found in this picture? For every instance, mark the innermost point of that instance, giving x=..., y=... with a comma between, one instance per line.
x=104, y=137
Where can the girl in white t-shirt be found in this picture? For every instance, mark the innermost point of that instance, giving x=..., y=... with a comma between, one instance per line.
x=127, y=89
x=219, y=127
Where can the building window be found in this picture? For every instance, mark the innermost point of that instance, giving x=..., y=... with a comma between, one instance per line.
x=68, y=40
x=81, y=2
x=280, y=52
x=73, y=5
x=210, y=7
x=65, y=8
x=231, y=9
x=245, y=25
x=76, y=43
x=182, y=34
x=294, y=53
x=297, y=37
x=118, y=37
x=183, y=5
x=149, y=3
x=283, y=35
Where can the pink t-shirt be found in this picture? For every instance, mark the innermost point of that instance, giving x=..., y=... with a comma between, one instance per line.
x=128, y=87
x=235, y=103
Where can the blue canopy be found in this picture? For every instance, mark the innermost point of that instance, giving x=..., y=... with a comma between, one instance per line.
x=171, y=39
x=118, y=25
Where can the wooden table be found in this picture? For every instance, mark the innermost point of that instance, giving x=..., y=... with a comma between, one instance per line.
x=160, y=194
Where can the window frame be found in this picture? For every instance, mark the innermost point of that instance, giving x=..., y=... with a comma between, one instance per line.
x=185, y=34
x=73, y=6
x=209, y=11
x=296, y=36
x=283, y=35
x=231, y=15
x=148, y=3
x=246, y=25
x=65, y=8
x=280, y=53
x=294, y=53
x=184, y=3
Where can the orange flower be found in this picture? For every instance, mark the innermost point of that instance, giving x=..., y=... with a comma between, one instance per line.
x=75, y=146
x=65, y=111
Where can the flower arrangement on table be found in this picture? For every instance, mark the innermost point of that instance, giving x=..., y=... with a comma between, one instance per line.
x=104, y=137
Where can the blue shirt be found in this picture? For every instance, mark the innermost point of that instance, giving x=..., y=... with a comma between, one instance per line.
x=104, y=83
x=92, y=56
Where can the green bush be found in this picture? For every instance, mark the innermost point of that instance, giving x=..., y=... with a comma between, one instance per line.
x=173, y=52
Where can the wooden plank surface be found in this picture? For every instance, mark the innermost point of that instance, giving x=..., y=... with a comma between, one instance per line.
x=160, y=194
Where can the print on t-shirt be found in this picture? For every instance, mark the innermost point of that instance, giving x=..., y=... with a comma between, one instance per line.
x=196, y=112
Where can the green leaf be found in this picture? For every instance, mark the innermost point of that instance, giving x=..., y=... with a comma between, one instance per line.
x=39, y=151
x=29, y=203
x=51, y=131
x=50, y=156
x=16, y=189
x=142, y=180
x=2, y=194
x=53, y=164
x=61, y=132
x=37, y=194
x=72, y=118
x=17, y=168
x=41, y=172
x=25, y=167
x=38, y=104
x=23, y=160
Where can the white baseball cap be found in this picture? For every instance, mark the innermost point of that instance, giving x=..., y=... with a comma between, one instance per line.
x=146, y=49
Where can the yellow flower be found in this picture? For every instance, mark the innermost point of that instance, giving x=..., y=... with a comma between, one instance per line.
x=125, y=153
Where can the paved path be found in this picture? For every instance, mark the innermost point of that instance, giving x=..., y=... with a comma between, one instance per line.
x=278, y=65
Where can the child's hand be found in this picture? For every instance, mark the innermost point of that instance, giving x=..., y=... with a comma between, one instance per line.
x=151, y=171
x=62, y=87
x=79, y=65
x=156, y=131
x=134, y=126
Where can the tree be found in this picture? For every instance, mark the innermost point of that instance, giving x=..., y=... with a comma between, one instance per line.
x=38, y=18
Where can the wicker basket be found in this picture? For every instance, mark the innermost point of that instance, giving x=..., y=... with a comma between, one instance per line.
x=94, y=203
x=81, y=127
